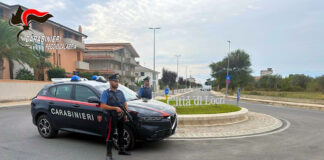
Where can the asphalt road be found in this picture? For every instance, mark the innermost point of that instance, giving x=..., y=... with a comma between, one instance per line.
x=303, y=140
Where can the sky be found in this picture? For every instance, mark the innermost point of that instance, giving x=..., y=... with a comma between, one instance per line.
x=284, y=35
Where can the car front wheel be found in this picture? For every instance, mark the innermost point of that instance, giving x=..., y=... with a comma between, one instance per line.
x=45, y=127
x=129, y=138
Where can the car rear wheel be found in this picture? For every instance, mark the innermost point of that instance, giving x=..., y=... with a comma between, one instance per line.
x=45, y=127
x=129, y=139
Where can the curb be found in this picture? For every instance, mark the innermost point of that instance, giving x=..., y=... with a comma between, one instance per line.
x=213, y=119
x=258, y=124
x=162, y=97
x=15, y=104
x=289, y=104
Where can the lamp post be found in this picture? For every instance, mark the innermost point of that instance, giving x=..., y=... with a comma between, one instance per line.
x=154, y=74
x=227, y=76
x=178, y=55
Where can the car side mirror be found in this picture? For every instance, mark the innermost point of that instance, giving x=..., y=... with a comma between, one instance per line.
x=93, y=99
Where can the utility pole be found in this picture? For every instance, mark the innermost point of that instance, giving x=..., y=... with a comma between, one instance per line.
x=178, y=56
x=154, y=74
x=227, y=81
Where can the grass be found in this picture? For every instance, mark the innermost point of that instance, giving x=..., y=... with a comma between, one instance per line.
x=302, y=95
x=204, y=109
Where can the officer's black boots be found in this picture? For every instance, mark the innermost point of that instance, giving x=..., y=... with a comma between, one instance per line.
x=122, y=151
x=109, y=148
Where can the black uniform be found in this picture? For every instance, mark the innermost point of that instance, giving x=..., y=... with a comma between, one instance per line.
x=145, y=92
x=116, y=120
x=111, y=98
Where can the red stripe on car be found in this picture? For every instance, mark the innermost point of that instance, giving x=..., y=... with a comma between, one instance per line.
x=66, y=101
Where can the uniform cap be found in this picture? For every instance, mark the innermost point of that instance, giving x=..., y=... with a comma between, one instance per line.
x=147, y=79
x=114, y=77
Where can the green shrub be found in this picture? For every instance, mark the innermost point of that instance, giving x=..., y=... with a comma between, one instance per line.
x=24, y=74
x=56, y=72
x=88, y=75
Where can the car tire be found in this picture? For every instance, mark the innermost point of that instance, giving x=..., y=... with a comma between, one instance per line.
x=45, y=127
x=129, y=138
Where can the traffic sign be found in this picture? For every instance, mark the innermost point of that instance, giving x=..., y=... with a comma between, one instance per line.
x=238, y=94
x=228, y=77
x=166, y=91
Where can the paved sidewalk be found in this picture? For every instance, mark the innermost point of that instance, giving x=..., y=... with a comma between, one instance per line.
x=257, y=123
x=291, y=104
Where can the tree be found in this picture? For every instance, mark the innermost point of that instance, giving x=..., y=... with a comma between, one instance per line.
x=320, y=82
x=42, y=64
x=56, y=73
x=299, y=80
x=239, y=69
x=169, y=78
x=10, y=49
x=269, y=81
x=24, y=74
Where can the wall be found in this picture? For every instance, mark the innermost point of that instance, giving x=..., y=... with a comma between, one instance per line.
x=14, y=90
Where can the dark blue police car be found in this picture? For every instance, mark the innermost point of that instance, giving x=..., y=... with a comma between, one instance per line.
x=74, y=106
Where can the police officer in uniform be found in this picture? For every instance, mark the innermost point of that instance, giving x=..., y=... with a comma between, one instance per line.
x=110, y=100
x=146, y=90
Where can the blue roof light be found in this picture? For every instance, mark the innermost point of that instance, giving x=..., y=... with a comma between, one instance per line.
x=75, y=78
x=94, y=77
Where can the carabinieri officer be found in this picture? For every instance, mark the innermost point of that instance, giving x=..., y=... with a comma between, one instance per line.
x=117, y=118
x=146, y=91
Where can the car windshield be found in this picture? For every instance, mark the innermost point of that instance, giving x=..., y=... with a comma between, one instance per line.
x=129, y=94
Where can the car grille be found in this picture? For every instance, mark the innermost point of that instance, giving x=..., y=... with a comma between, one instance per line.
x=173, y=119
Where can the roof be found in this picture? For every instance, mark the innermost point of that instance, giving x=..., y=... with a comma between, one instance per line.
x=48, y=21
x=111, y=47
x=140, y=68
x=4, y=5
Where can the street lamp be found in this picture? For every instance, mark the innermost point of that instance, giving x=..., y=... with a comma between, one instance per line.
x=154, y=74
x=227, y=81
x=177, y=55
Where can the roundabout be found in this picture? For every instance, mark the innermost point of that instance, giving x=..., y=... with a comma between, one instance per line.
x=232, y=123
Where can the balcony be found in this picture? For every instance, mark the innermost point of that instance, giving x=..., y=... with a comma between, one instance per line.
x=82, y=65
x=79, y=45
x=129, y=74
x=130, y=61
x=92, y=56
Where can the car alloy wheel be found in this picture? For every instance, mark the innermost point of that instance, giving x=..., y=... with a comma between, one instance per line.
x=45, y=127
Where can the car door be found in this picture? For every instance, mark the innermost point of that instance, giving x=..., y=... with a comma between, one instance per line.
x=92, y=119
x=60, y=105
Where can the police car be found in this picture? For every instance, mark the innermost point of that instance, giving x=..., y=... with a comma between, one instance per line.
x=74, y=106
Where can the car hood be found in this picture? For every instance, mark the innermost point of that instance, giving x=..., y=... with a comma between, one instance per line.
x=153, y=105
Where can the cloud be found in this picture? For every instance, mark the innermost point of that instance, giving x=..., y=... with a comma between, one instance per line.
x=180, y=22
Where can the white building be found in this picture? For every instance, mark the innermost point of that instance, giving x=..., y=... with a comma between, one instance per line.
x=191, y=79
x=143, y=72
x=269, y=71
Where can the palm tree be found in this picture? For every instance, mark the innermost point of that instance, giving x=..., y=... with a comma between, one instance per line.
x=10, y=49
x=42, y=64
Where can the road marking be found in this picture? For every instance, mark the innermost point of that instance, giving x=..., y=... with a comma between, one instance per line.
x=236, y=137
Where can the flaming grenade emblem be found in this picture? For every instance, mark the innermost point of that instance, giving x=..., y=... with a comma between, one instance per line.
x=24, y=18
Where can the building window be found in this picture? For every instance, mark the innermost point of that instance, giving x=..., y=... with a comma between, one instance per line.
x=77, y=38
x=1, y=13
x=59, y=58
x=142, y=74
x=54, y=58
x=67, y=34
x=37, y=26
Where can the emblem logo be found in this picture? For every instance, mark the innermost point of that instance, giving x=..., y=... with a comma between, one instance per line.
x=24, y=18
x=99, y=118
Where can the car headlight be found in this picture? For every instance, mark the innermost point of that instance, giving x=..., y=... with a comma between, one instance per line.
x=148, y=119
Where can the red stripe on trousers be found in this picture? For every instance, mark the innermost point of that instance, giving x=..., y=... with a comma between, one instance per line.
x=109, y=129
